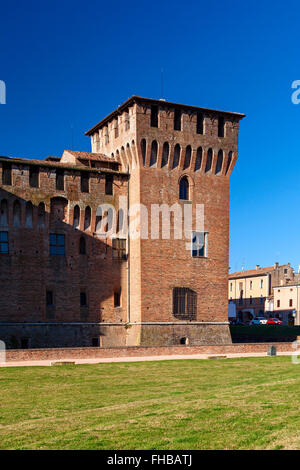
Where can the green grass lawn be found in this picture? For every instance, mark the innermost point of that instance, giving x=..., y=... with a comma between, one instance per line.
x=247, y=403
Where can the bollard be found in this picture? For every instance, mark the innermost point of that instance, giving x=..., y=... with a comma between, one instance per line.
x=272, y=350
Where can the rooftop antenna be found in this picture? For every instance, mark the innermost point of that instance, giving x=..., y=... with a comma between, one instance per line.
x=162, y=84
x=72, y=137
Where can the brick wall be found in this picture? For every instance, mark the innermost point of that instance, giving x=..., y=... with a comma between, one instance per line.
x=84, y=353
x=154, y=266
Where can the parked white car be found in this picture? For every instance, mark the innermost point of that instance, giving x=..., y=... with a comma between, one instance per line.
x=258, y=321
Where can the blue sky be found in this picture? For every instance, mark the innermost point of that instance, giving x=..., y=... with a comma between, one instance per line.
x=67, y=64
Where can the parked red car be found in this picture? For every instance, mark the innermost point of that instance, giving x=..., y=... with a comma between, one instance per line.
x=274, y=321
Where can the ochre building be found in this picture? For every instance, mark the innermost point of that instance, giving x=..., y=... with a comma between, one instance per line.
x=252, y=291
x=71, y=274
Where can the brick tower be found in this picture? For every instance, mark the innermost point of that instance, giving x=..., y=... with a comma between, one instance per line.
x=175, y=155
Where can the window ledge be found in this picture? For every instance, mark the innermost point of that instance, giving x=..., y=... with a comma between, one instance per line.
x=185, y=201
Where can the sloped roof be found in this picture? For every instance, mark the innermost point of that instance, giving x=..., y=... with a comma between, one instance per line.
x=99, y=157
x=251, y=272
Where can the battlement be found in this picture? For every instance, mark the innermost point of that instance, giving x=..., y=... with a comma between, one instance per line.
x=143, y=132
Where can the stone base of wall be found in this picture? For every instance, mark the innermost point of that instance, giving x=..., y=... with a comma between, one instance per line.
x=89, y=353
x=48, y=335
x=58, y=335
x=190, y=334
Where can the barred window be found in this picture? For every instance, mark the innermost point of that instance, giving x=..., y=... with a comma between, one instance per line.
x=184, y=303
x=119, y=248
x=4, y=243
x=57, y=244
x=199, y=244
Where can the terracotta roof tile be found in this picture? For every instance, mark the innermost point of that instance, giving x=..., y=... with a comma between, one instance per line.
x=100, y=157
x=251, y=272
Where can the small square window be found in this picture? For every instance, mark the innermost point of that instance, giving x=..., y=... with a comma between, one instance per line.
x=57, y=244
x=199, y=244
x=119, y=248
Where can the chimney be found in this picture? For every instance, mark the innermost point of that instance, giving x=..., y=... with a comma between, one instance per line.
x=257, y=267
x=299, y=269
x=276, y=265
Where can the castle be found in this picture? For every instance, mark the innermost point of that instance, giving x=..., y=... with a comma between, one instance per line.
x=66, y=282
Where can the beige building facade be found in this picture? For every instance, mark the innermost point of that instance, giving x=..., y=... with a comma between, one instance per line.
x=252, y=290
x=287, y=303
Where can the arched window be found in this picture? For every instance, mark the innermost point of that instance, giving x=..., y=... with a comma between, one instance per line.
x=165, y=154
x=17, y=214
x=208, y=160
x=219, y=162
x=41, y=215
x=87, y=218
x=143, y=150
x=187, y=158
x=228, y=162
x=184, y=189
x=176, y=156
x=184, y=303
x=58, y=210
x=29, y=215
x=82, y=246
x=198, y=160
x=4, y=212
x=76, y=217
x=153, y=157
